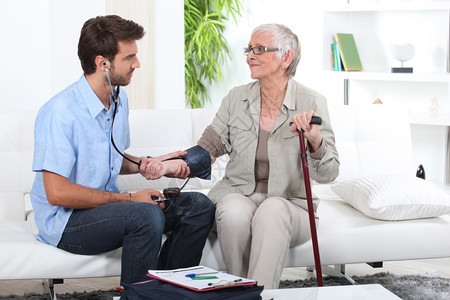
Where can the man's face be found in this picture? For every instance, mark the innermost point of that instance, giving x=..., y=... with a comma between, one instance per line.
x=124, y=63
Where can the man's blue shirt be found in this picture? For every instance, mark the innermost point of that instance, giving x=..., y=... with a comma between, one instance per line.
x=72, y=138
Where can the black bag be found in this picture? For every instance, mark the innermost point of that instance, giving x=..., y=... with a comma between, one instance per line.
x=161, y=290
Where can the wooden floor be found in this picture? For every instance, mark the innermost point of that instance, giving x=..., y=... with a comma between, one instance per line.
x=437, y=267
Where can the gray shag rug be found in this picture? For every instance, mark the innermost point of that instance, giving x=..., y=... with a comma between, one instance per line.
x=407, y=287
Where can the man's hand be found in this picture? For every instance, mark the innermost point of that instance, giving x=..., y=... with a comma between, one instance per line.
x=61, y=192
x=146, y=196
x=171, y=155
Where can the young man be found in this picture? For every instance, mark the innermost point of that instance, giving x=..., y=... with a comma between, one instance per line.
x=77, y=203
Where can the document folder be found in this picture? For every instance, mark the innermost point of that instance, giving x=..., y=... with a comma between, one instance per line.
x=200, y=278
x=195, y=283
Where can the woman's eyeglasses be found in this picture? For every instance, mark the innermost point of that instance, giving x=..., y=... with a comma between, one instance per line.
x=259, y=50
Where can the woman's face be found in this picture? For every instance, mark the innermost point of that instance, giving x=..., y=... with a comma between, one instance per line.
x=266, y=64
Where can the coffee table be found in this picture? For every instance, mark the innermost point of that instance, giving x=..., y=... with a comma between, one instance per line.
x=342, y=292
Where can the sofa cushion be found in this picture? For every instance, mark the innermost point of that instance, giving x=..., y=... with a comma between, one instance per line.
x=393, y=197
x=365, y=145
x=24, y=257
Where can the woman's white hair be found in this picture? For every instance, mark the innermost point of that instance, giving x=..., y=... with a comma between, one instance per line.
x=284, y=39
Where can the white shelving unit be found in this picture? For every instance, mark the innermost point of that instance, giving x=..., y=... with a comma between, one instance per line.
x=394, y=87
x=376, y=25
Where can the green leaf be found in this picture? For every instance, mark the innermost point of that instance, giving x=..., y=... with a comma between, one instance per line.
x=205, y=45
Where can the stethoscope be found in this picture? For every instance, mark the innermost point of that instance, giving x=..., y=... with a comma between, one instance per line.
x=169, y=193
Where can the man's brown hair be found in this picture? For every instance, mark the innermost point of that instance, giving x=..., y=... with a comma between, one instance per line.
x=100, y=36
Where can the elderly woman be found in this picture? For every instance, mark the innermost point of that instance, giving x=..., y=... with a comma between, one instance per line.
x=261, y=208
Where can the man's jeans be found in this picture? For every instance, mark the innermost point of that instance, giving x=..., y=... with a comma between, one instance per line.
x=138, y=228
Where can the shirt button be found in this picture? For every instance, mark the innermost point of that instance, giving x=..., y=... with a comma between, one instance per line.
x=108, y=119
x=112, y=168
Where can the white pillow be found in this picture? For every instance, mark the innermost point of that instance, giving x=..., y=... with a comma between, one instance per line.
x=393, y=197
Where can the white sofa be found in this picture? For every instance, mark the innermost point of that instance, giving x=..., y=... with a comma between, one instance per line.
x=371, y=140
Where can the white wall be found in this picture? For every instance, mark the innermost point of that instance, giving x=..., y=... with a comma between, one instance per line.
x=39, y=48
x=66, y=19
x=169, y=54
x=303, y=17
x=306, y=20
x=39, y=56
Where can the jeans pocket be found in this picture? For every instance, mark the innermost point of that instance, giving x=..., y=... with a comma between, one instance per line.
x=70, y=248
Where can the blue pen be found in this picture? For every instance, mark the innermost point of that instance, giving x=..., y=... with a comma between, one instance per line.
x=201, y=274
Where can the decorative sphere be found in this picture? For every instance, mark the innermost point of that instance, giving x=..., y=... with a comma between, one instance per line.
x=402, y=52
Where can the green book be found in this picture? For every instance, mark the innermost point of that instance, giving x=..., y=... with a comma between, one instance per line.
x=349, y=52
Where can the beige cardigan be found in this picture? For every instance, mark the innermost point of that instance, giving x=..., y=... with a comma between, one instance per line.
x=237, y=124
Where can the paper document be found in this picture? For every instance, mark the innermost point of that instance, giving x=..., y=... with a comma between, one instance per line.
x=200, y=278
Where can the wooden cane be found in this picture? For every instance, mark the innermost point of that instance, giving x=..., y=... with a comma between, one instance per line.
x=312, y=220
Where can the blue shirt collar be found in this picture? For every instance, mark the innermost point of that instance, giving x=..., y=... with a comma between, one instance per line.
x=87, y=94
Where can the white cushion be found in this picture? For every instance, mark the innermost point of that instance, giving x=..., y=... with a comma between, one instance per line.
x=393, y=197
x=365, y=145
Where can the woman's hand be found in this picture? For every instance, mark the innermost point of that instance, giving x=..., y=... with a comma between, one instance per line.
x=176, y=168
x=155, y=167
x=151, y=168
x=311, y=132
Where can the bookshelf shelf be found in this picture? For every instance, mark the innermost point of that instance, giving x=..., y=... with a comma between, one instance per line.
x=423, y=119
x=377, y=25
x=382, y=76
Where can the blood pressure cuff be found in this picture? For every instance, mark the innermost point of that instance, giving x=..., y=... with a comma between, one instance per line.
x=199, y=161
